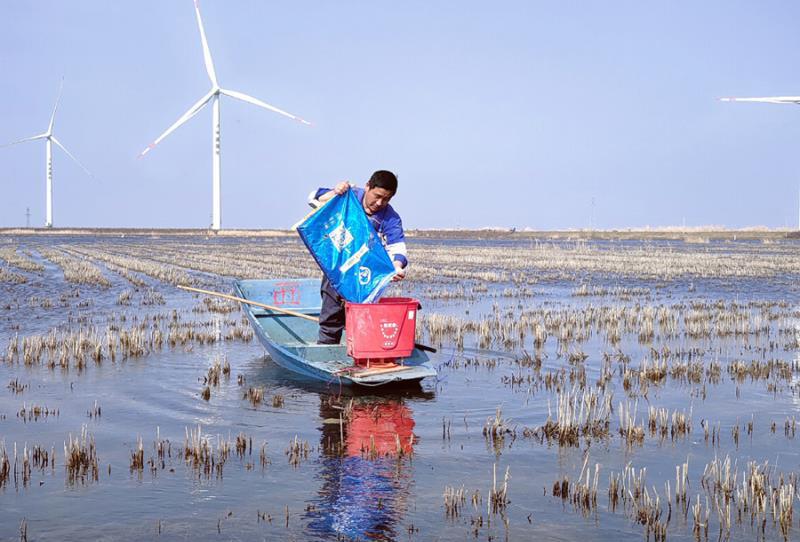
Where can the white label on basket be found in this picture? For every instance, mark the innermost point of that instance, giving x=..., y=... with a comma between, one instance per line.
x=389, y=331
x=410, y=315
x=352, y=260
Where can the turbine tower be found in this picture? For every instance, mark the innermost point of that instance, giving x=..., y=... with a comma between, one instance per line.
x=50, y=139
x=795, y=100
x=213, y=96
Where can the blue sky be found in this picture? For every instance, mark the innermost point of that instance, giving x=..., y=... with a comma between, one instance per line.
x=492, y=114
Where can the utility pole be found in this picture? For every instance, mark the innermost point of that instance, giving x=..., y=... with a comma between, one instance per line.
x=27, y=217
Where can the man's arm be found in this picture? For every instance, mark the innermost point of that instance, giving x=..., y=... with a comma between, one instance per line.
x=395, y=244
x=315, y=198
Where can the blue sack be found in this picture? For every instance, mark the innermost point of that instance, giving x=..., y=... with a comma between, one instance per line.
x=347, y=249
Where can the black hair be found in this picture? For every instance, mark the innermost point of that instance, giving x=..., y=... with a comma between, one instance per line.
x=383, y=179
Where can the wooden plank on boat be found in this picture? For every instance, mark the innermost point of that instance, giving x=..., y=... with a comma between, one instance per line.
x=384, y=370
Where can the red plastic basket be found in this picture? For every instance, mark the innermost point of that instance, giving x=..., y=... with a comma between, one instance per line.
x=381, y=330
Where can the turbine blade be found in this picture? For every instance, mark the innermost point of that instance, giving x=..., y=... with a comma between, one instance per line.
x=32, y=138
x=186, y=116
x=766, y=99
x=63, y=148
x=206, y=51
x=256, y=101
x=53, y=116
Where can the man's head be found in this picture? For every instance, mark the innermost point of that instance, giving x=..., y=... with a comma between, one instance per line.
x=381, y=187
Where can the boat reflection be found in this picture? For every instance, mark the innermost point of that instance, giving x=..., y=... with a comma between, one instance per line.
x=365, y=473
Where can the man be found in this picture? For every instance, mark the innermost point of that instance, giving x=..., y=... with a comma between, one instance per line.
x=380, y=189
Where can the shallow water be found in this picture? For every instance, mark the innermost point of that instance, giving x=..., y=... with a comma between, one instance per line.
x=382, y=473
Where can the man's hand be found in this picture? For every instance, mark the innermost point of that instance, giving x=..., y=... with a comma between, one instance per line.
x=341, y=187
x=399, y=271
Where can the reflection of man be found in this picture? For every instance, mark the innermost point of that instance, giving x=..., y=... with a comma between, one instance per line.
x=363, y=489
x=380, y=189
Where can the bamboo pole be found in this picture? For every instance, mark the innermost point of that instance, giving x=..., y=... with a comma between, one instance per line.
x=319, y=205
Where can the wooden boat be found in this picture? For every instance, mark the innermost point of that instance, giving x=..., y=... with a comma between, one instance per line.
x=291, y=340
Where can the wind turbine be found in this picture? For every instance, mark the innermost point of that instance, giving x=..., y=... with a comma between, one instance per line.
x=792, y=100
x=213, y=97
x=50, y=139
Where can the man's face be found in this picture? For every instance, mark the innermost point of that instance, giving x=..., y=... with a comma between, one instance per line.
x=376, y=199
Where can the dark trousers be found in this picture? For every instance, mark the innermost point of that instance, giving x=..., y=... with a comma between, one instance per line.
x=331, y=316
